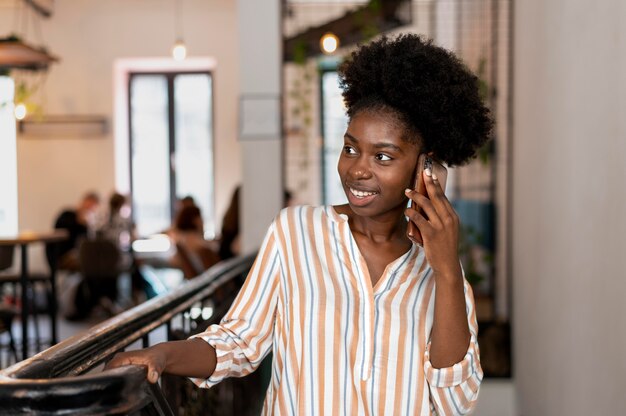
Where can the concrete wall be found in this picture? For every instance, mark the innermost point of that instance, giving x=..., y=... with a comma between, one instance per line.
x=569, y=229
x=88, y=36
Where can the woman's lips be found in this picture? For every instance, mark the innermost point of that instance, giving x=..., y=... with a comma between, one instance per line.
x=360, y=198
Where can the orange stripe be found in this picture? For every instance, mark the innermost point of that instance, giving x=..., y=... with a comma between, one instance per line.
x=388, y=343
x=259, y=267
x=320, y=303
x=302, y=379
x=469, y=298
x=384, y=354
x=400, y=361
x=352, y=272
x=289, y=370
x=472, y=383
x=428, y=291
x=336, y=323
x=419, y=377
x=460, y=398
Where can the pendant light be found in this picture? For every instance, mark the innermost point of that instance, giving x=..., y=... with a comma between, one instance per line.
x=179, y=50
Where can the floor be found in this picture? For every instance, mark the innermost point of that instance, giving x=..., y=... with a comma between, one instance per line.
x=497, y=398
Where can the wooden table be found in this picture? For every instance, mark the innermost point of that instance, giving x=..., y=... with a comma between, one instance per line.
x=23, y=240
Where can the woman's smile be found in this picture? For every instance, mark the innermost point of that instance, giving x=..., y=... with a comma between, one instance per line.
x=360, y=197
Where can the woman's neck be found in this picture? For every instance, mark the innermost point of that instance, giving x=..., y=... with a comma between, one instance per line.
x=383, y=228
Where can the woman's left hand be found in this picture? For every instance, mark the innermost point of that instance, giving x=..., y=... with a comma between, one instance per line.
x=438, y=223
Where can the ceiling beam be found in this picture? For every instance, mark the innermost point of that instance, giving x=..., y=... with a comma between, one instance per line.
x=42, y=7
x=353, y=27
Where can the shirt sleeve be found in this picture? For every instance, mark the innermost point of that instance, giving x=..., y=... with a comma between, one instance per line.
x=454, y=390
x=244, y=336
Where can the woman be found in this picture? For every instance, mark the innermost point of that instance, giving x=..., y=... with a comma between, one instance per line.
x=194, y=254
x=360, y=320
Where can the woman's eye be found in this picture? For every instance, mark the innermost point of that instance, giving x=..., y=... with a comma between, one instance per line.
x=349, y=150
x=383, y=157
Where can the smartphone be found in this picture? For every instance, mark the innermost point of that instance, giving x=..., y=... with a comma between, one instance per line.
x=424, y=162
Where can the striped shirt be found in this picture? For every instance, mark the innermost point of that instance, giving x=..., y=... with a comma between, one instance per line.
x=340, y=345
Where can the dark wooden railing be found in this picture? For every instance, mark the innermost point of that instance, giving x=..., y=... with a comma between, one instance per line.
x=66, y=378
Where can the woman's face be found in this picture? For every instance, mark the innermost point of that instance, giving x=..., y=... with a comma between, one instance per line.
x=376, y=164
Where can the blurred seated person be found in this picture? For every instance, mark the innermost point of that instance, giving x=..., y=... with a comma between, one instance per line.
x=230, y=245
x=78, y=222
x=229, y=242
x=185, y=202
x=181, y=203
x=194, y=254
x=117, y=226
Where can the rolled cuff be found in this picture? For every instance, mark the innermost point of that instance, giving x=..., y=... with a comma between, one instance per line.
x=224, y=356
x=458, y=373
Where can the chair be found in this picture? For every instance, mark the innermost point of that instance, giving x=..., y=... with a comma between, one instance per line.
x=100, y=265
x=14, y=279
x=7, y=314
x=189, y=263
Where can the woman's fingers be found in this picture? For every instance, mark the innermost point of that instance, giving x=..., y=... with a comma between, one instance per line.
x=142, y=358
x=153, y=375
x=438, y=197
x=420, y=201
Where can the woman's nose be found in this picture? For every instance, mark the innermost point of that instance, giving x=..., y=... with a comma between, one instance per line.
x=360, y=170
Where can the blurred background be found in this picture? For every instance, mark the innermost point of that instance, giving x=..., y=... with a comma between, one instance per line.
x=237, y=105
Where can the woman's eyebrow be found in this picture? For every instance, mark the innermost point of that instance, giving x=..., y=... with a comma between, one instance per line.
x=378, y=145
x=386, y=145
x=350, y=137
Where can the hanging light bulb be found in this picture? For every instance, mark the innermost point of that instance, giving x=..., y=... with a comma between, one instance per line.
x=329, y=43
x=20, y=111
x=179, y=50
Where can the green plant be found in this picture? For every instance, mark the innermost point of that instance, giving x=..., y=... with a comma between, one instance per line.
x=473, y=257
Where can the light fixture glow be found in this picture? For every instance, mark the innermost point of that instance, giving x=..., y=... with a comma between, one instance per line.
x=20, y=111
x=179, y=51
x=329, y=43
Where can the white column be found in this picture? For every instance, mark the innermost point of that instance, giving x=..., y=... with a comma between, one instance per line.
x=8, y=159
x=569, y=207
x=260, y=48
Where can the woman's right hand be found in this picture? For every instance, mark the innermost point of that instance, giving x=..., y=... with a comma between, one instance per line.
x=153, y=358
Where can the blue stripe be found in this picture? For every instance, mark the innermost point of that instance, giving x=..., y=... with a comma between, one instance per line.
x=456, y=406
x=286, y=356
x=293, y=408
x=419, y=289
x=438, y=382
x=311, y=307
x=376, y=314
x=287, y=324
x=364, y=291
x=345, y=335
x=263, y=297
x=374, y=355
x=286, y=300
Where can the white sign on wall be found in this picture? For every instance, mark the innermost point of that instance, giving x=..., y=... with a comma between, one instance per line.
x=8, y=159
x=259, y=117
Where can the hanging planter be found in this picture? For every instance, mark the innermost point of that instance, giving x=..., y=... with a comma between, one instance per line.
x=17, y=54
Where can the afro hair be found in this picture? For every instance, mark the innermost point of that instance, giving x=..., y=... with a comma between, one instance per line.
x=428, y=87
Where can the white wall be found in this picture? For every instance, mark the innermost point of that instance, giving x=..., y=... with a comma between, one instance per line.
x=88, y=35
x=569, y=229
x=8, y=162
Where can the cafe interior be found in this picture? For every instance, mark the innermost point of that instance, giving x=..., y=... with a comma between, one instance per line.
x=146, y=145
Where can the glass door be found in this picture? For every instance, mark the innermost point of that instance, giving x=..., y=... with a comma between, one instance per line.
x=171, y=147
